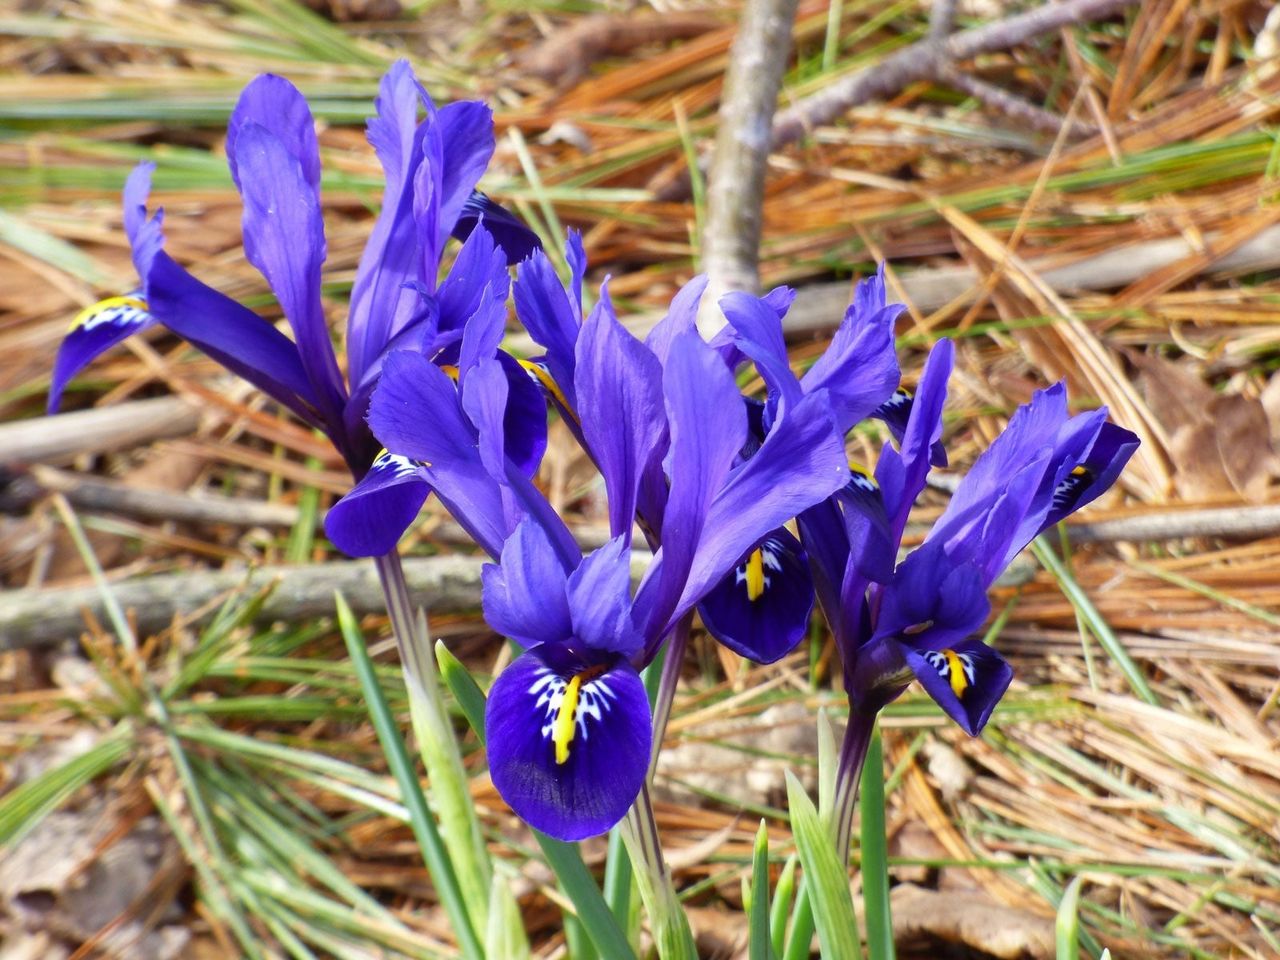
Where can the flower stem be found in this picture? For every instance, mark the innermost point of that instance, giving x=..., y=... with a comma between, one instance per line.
x=853, y=754
x=447, y=778
x=668, y=922
x=676, y=646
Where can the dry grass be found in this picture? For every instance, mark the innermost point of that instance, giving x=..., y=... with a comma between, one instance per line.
x=1171, y=812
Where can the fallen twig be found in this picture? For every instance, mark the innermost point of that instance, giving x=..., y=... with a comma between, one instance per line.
x=57, y=439
x=44, y=617
x=735, y=185
x=927, y=60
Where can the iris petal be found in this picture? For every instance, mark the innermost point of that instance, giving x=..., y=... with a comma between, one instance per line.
x=966, y=680
x=95, y=331
x=544, y=309
x=524, y=593
x=619, y=391
x=517, y=240
x=761, y=608
x=284, y=239
x=370, y=519
x=568, y=741
x=380, y=302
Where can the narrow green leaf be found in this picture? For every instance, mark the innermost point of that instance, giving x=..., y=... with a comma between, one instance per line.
x=826, y=882
x=1097, y=624
x=828, y=762
x=782, y=897
x=801, y=926
x=420, y=819
x=580, y=887
x=563, y=858
x=463, y=686
x=1067, y=925
x=761, y=947
x=505, y=936
x=875, y=855
x=23, y=807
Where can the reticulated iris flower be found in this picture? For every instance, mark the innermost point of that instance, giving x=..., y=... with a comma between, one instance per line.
x=916, y=619
x=568, y=723
x=432, y=164
x=761, y=608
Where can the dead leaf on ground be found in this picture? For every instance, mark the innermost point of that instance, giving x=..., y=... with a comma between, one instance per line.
x=565, y=57
x=1221, y=444
x=974, y=920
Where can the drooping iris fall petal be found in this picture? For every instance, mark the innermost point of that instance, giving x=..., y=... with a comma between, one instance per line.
x=372, y=516
x=568, y=741
x=761, y=608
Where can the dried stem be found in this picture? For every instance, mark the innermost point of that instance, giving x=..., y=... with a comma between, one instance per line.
x=926, y=60
x=735, y=185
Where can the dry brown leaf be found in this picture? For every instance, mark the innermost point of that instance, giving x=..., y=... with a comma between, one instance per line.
x=926, y=917
x=1221, y=444
x=565, y=57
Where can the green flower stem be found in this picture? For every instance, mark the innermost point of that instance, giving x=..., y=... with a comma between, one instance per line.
x=667, y=920
x=446, y=775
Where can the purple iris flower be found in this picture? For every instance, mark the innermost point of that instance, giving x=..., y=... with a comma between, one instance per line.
x=398, y=303
x=915, y=619
x=761, y=607
x=568, y=723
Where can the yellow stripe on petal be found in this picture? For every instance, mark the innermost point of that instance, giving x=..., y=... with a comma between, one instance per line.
x=549, y=384
x=86, y=316
x=755, y=575
x=566, y=719
x=959, y=679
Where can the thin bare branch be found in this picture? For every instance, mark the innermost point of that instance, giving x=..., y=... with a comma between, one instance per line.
x=925, y=59
x=735, y=186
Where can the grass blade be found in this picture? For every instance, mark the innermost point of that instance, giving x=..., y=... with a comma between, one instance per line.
x=783, y=894
x=826, y=881
x=1097, y=625
x=761, y=946
x=875, y=855
x=420, y=819
x=1067, y=925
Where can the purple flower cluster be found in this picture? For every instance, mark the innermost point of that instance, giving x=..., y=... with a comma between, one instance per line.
x=715, y=480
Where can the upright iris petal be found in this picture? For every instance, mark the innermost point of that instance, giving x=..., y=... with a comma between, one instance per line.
x=431, y=167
